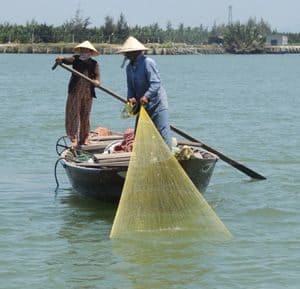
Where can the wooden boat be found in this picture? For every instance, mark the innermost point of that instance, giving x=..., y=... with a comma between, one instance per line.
x=95, y=172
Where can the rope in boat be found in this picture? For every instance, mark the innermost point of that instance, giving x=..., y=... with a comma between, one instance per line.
x=77, y=158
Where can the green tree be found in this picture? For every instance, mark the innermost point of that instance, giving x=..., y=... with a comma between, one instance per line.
x=122, y=29
x=108, y=29
x=180, y=37
x=169, y=33
x=245, y=38
x=77, y=27
x=43, y=33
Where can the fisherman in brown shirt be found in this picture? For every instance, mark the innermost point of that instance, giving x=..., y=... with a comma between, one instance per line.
x=81, y=92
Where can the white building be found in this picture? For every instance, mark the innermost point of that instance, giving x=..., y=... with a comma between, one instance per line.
x=277, y=40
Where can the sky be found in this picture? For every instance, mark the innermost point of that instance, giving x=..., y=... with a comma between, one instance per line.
x=282, y=15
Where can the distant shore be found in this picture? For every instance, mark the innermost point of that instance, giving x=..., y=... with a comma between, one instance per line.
x=103, y=48
x=154, y=49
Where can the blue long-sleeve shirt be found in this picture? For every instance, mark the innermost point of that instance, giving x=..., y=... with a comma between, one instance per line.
x=143, y=80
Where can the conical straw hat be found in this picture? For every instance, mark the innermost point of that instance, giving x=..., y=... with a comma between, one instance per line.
x=132, y=44
x=88, y=45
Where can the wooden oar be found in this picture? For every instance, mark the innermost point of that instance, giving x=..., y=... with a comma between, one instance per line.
x=224, y=158
x=235, y=164
x=90, y=80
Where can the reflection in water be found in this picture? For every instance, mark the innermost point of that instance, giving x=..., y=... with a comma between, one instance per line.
x=159, y=262
x=83, y=245
x=84, y=212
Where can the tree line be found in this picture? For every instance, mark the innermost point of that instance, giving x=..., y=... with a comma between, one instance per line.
x=235, y=36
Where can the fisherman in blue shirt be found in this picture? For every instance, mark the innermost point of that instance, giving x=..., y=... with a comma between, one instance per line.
x=144, y=86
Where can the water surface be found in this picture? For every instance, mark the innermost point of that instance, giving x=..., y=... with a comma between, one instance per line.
x=244, y=106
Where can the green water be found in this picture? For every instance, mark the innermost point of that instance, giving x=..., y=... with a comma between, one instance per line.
x=244, y=106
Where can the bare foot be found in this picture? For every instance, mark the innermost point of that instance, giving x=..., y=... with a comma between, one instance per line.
x=86, y=142
x=74, y=142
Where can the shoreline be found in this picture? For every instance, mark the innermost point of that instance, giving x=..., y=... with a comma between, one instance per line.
x=154, y=49
x=108, y=49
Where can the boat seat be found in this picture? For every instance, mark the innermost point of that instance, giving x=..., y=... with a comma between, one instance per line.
x=112, y=157
x=96, y=146
x=104, y=164
x=107, y=137
x=108, y=160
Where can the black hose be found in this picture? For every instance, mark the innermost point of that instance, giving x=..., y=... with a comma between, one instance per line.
x=55, y=175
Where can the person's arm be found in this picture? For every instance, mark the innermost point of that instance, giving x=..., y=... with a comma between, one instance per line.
x=130, y=90
x=65, y=60
x=153, y=78
x=97, y=80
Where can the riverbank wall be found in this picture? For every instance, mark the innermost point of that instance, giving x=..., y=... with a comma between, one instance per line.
x=110, y=49
x=154, y=49
x=282, y=49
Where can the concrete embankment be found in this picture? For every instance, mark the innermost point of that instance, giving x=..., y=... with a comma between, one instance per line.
x=154, y=49
x=282, y=49
x=109, y=49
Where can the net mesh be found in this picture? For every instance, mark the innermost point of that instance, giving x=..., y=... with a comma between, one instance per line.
x=158, y=196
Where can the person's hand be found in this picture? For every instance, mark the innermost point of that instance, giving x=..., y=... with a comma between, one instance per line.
x=144, y=100
x=132, y=100
x=96, y=82
x=59, y=59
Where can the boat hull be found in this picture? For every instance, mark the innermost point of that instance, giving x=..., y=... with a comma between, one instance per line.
x=106, y=183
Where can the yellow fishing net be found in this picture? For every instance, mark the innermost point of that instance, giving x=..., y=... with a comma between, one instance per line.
x=158, y=196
